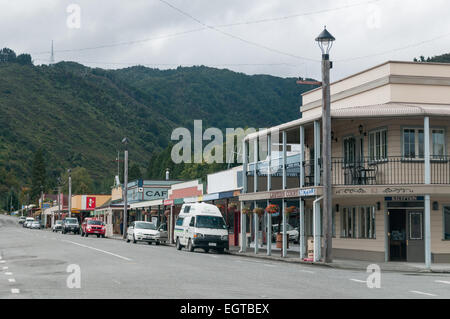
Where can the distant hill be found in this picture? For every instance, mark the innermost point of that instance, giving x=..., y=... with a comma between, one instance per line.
x=79, y=114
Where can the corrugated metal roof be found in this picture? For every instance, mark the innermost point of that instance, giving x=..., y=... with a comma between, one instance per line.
x=365, y=111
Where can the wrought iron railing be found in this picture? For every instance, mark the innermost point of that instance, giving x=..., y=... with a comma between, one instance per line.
x=392, y=170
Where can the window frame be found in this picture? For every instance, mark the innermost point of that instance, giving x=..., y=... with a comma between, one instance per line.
x=372, y=157
x=344, y=226
x=347, y=163
x=417, y=144
x=368, y=210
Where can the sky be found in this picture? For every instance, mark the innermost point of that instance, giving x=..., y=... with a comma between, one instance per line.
x=273, y=37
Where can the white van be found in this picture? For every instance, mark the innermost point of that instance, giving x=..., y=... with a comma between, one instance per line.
x=201, y=225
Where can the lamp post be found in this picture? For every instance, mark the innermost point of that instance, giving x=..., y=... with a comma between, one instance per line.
x=70, y=193
x=125, y=189
x=325, y=42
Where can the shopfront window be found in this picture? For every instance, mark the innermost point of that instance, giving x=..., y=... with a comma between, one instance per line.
x=348, y=222
x=366, y=217
x=446, y=223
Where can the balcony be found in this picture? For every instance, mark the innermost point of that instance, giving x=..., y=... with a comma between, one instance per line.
x=393, y=170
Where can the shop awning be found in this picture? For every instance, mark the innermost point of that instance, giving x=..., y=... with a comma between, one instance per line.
x=147, y=204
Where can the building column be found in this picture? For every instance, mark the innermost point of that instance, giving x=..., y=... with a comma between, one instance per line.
x=316, y=153
x=269, y=232
x=316, y=229
x=302, y=228
x=427, y=177
x=283, y=211
x=284, y=160
x=255, y=167
x=256, y=229
x=243, y=244
x=301, y=202
x=269, y=164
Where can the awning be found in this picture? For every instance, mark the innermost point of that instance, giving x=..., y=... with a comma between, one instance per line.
x=146, y=204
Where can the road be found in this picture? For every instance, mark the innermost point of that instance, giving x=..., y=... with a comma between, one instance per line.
x=34, y=264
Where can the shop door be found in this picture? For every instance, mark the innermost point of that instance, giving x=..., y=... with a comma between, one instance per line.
x=397, y=235
x=415, y=242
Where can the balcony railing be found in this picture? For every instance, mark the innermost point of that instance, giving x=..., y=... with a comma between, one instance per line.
x=389, y=171
x=393, y=170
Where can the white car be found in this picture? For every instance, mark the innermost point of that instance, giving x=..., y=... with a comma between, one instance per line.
x=28, y=222
x=146, y=232
x=22, y=219
x=57, y=226
x=35, y=225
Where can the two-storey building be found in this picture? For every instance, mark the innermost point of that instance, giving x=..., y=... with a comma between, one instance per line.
x=390, y=165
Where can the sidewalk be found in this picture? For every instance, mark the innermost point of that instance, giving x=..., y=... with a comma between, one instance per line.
x=293, y=257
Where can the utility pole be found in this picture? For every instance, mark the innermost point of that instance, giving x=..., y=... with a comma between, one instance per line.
x=325, y=41
x=125, y=189
x=70, y=193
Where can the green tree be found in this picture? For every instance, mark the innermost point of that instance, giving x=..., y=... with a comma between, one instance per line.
x=134, y=173
x=81, y=181
x=24, y=59
x=7, y=55
x=38, y=175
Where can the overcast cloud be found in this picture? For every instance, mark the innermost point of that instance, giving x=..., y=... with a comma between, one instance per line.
x=361, y=31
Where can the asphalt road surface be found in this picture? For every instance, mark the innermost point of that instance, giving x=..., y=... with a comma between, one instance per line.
x=35, y=264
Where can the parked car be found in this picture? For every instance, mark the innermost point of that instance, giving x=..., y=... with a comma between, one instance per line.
x=70, y=224
x=35, y=225
x=201, y=225
x=57, y=226
x=93, y=226
x=292, y=232
x=145, y=232
x=22, y=219
x=27, y=222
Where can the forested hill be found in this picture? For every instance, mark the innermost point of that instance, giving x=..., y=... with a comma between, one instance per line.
x=78, y=115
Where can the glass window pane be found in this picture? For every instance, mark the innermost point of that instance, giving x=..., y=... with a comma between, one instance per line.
x=421, y=144
x=415, y=226
x=447, y=223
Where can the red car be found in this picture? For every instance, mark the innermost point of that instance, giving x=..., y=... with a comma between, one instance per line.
x=93, y=226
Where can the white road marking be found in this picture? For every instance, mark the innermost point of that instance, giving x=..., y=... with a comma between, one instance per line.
x=5, y=267
x=268, y=265
x=2, y=261
x=116, y=281
x=97, y=249
x=8, y=273
x=11, y=280
x=443, y=282
x=422, y=293
x=357, y=280
x=15, y=291
x=307, y=271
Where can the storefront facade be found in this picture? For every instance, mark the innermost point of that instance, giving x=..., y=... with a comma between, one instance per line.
x=390, y=165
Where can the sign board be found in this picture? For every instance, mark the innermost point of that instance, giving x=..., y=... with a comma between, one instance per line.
x=147, y=193
x=307, y=192
x=404, y=198
x=168, y=202
x=88, y=202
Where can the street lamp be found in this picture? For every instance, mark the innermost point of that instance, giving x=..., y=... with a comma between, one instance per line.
x=325, y=41
x=125, y=189
x=70, y=192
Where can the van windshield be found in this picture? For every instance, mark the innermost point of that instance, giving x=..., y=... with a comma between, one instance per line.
x=210, y=222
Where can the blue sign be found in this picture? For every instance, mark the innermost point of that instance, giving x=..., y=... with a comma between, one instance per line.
x=307, y=192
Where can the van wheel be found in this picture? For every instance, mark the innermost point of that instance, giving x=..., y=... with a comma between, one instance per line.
x=178, y=244
x=190, y=248
x=206, y=250
x=157, y=243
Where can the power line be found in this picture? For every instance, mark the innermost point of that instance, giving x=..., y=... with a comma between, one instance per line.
x=234, y=36
x=297, y=15
x=412, y=45
x=215, y=26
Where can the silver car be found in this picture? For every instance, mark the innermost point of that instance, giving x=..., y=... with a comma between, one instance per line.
x=35, y=225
